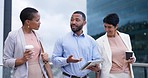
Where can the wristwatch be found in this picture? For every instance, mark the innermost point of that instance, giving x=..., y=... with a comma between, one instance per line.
x=45, y=62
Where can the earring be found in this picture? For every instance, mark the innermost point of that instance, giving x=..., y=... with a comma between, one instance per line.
x=28, y=26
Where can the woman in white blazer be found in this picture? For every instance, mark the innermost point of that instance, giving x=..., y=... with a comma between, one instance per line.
x=25, y=63
x=112, y=47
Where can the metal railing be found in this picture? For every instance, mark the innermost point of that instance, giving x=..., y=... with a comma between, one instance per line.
x=56, y=71
x=140, y=64
x=144, y=66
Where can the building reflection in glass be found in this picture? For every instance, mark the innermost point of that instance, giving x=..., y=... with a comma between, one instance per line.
x=133, y=20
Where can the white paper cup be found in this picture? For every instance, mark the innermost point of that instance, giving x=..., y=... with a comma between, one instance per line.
x=30, y=47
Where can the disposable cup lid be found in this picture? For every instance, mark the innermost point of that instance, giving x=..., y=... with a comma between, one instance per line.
x=128, y=51
x=29, y=47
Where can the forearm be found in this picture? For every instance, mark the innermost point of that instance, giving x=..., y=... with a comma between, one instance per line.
x=19, y=61
x=59, y=61
x=47, y=65
x=97, y=74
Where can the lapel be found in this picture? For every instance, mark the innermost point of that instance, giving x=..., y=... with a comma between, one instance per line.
x=129, y=47
x=23, y=42
x=124, y=39
x=107, y=48
x=107, y=45
x=22, y=37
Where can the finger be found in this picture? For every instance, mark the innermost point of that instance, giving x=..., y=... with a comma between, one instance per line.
x=45, y=54
x=131, y=58
x=28, y=54
x=42, y=54
x=80, y=59
x=27, y=51
x=76, y=60
x=26, y=58
x=70, y=56
x=89, y=68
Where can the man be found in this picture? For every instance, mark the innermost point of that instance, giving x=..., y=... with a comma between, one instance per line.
x=75, y=49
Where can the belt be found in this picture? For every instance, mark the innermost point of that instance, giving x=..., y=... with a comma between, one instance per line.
x=72, y=76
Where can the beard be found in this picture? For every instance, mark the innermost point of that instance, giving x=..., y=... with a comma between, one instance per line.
x=76, y=28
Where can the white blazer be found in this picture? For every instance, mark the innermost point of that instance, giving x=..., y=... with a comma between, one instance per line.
x=105, y=51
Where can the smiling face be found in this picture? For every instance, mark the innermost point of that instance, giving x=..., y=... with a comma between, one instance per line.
x=110, y=29
x=77, y=22
x=111, y=24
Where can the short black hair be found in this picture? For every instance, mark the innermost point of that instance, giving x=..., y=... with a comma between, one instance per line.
x=111, y=19
x=27, y=14
x=81, y=13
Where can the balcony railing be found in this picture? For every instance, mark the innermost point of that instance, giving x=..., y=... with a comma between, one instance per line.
x=140, y=66
x=140, y=71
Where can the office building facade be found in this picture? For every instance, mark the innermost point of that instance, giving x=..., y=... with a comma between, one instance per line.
x=133, y=16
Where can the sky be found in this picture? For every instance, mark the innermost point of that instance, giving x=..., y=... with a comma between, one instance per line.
x=55, y=18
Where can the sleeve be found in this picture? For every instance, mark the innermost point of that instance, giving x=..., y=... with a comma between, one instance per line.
x=57, y=56
x=8, y=52
x=130, y=46
x=129, y=42
x=96, y=53
x=99, y=47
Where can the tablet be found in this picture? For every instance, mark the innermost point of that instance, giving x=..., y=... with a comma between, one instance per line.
x=90, y=63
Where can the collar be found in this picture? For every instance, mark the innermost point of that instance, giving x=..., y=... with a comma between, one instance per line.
x=75, y=35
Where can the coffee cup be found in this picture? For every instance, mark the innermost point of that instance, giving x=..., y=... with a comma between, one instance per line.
x=31, y=48
x=128, y=54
